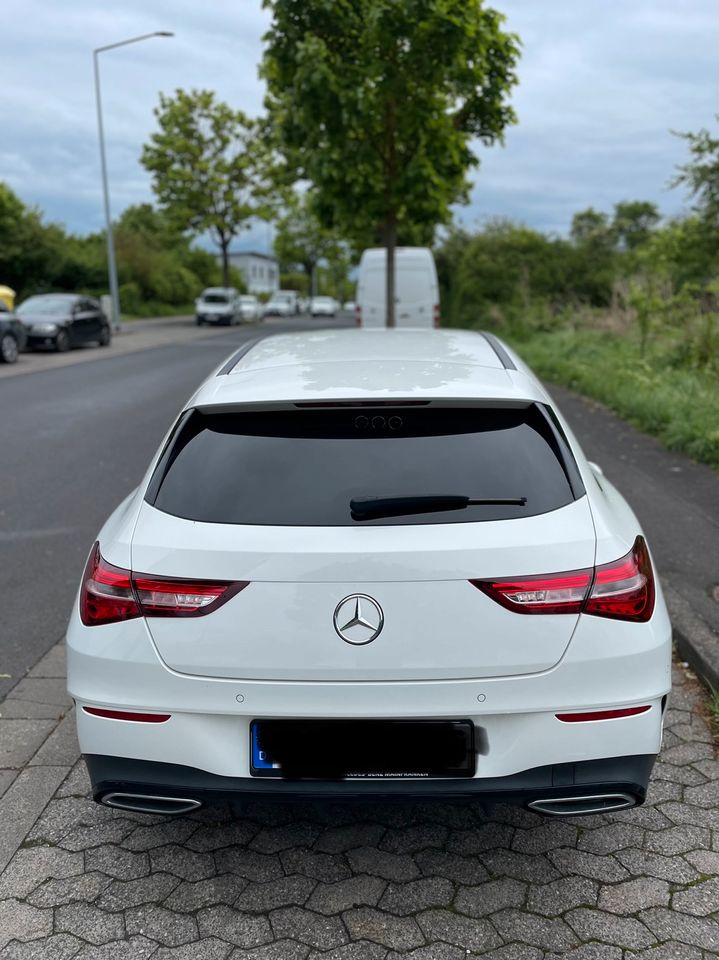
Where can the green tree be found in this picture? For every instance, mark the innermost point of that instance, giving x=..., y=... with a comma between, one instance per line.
x=206, y=167
x=302, y=240
x=376, y=102
x=701, y=174
x=591, y=227
x=633, y=222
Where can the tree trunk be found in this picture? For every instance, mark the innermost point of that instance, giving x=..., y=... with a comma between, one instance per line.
x=224, y=246
x=390, y=240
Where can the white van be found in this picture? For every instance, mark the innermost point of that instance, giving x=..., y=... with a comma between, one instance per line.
x=416, y=288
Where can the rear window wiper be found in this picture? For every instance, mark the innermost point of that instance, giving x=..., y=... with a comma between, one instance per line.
x=370, y=508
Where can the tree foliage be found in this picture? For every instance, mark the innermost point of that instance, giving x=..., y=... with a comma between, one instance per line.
x=633, y=222
x=301, y=239
x=206, y=167
x=157, y=265
x=700, y=175
x=376, y=103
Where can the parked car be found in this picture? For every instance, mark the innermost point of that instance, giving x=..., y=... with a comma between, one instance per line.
x=284, y=303
x=12, y=335
x=371, y=562
x=218, y=305
x=63, y=321
x=416, y=288
x=349, y=306
x=323, y=307
x=249, y=307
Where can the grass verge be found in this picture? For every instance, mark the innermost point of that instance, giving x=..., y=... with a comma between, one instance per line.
x=678, y=405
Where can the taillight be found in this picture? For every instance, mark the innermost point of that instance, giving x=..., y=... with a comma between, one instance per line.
x=436, y=317
x=358, y=315
x=554, y=593
x=182, y=598
x=110, y=594
x=624, y=589
x=106, y=594
x=621, y=590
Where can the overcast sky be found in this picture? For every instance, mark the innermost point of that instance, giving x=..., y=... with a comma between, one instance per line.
x=602, y=83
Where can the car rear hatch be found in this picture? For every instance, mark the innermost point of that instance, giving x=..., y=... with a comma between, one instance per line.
x=264, y=499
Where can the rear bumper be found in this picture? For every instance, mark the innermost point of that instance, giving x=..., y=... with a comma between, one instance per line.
x=591, y=779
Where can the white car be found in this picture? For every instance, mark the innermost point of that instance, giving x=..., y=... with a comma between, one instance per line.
x=249, y=307
x=284, y=303
x=323, y=307
x=371, y=563
x=217, y=305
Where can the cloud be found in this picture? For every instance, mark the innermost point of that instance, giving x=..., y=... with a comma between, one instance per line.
x=601, y=85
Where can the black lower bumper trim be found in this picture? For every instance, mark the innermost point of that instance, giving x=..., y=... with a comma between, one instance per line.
x=626, y=775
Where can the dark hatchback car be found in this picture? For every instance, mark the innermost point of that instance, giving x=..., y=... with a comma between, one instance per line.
x=64, y=320
x=12, y=335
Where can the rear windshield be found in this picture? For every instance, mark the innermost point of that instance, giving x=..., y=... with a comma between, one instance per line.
x=302, y=468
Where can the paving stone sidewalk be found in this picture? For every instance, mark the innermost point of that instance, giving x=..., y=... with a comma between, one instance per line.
x=349, y=881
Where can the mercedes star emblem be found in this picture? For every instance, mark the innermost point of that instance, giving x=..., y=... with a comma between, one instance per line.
x=358, y=619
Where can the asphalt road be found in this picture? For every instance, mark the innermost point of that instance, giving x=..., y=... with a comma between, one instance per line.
x=74, y=441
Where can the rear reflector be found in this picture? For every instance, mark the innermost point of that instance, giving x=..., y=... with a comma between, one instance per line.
x=620, y=590
x=124, y=715
x=601, y=715
x=110, y=594
x=317, y=404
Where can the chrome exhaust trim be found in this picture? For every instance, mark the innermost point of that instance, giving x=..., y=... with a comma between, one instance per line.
x=577, y=806
x=150, y=803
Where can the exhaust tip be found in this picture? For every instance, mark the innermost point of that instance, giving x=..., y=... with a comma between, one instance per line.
x=577, y=806
x=150, y=803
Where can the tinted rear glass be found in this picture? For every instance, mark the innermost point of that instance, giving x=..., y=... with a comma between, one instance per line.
x=302, y=468
x=215, y=298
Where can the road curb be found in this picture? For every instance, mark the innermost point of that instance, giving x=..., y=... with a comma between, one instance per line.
x=695, y=642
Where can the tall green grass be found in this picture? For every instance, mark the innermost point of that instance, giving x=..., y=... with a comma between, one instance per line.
x=679, y=405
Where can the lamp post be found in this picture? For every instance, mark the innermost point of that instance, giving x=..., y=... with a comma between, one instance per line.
x=111, y=265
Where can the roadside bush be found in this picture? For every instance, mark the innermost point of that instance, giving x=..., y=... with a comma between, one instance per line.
x=130, y=298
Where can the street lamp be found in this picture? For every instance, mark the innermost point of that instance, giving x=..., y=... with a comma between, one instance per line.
x=111, y=265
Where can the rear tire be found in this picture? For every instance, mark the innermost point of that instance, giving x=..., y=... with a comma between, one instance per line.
x=199, y=322
x=62, y=341
x=8, y=348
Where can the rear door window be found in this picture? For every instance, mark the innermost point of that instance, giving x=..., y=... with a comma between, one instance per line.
x=302, y=468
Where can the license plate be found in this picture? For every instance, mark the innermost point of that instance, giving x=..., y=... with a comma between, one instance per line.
x=362, y=749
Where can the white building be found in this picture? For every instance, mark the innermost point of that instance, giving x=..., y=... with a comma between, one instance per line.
x=261, y=273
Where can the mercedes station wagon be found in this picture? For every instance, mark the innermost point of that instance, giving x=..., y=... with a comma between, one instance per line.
x=371, y=563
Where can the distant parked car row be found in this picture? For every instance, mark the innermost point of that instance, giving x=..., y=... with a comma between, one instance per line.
x=225, y=305
x=56, y=320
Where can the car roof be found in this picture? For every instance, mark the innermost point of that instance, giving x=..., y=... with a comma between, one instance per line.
x=370, y=365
